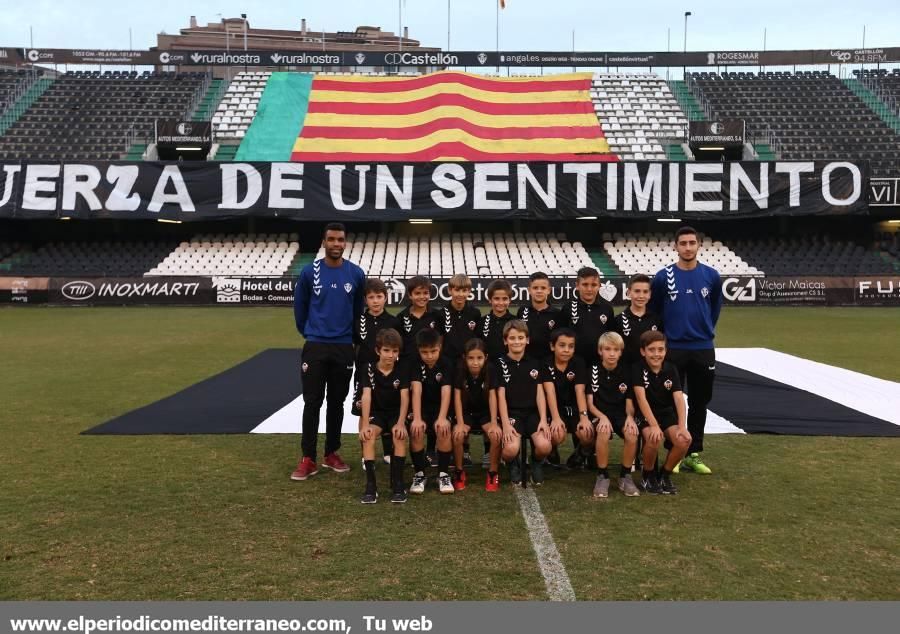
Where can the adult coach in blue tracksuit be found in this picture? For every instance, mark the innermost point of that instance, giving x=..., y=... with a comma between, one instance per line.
x=328, y=298
x=688, y=297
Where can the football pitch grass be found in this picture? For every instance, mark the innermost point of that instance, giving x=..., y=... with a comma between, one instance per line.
x=216, y=517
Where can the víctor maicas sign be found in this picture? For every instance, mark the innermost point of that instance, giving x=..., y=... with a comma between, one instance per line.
x=400, y=191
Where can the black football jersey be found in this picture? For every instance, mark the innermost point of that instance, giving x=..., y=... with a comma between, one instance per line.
x=433, y=380
x=476, y=391
x=564, y=381
x=410, y=325
x=611, y=388
x=365, y=328
x=631, y=328
x=589, y=321
x=386, y=388
x=457, y=327
x=490, y=328
x=521, y=380
x=658, y=386
x=540, y=324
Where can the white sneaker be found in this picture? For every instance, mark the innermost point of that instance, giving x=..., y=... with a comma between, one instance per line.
x=418, y=483
x=445, y=485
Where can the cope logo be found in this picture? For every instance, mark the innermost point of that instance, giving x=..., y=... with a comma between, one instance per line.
x=734, y=290
x=482, y=58
x=360, y=58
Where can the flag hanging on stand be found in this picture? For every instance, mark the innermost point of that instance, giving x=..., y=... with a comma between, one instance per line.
x=451, y=116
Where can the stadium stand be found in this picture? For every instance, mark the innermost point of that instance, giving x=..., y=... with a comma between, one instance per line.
x=812, y=114
x=94, y=115
x=638, y=113
x=886, y=81
x=241, y=254
x=11, y=82
x=647, y=253
x=816, y=255
x=108, y=258
x=475, y=254
x=238, y=106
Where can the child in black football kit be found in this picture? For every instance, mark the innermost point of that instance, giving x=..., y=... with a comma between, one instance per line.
x=611, y=405
x=542, y=318
x=491, y=326
x=417, y=315
x=385, y=402
x=662, y=412
x=636, y=319
x=475, y=403
x=589, y=316
x=372, y=320
x=564, y=376
x=459, y=319
x=431, y=388
x=520, y=401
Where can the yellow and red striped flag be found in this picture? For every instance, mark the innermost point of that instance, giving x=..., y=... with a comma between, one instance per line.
x=451, y=116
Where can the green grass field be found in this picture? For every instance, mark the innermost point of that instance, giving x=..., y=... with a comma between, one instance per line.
x=216, y=517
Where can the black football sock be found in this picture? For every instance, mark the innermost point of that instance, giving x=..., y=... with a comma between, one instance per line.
x=603, y=472
x=370, y=473
x=625, y=471
x=397, y=465
x=444, y=461
x=418, y=460
x=649, y=473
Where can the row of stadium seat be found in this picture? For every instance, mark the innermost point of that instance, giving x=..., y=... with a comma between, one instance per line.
x=650, y=252
x=89, y=117
x=251, y=254
x=636, y=111
x=812, y=116
x=238, y=106
x=475, y=254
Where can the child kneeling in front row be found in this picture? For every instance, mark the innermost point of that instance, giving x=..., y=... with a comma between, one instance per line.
x=611, y=404
x=475, y=401
x=385, y=402
x=663, y=414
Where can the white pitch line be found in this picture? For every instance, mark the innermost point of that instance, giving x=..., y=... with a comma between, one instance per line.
x=559, y=586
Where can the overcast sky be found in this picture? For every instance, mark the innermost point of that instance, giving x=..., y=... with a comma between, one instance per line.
x=524, y=24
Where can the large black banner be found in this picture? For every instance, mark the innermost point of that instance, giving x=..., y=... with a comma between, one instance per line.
x=435, y=58
x=279, y=291
x=397, y=191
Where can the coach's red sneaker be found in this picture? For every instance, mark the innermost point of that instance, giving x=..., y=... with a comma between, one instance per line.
x=333, y=461
x=306, y=468
x=493, y=481
x=459, y=480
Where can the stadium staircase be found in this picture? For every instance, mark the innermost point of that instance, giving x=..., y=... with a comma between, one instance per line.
x=136, y=152
x=300, y=260
x=226, y=151
x=603, y=263
x=686, y=100
x=877, y=105
x=210, y=100
x=18, y=108
x=764, y=152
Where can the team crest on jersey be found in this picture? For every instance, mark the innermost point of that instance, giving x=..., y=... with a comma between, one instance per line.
x=348, y=287
x=603, y=319
x=533, y=374
x=396, y=384
x=551, y=323
x=704, y=291
x=570, y=375
x=304, y=367
x=653, y=327
x=471, y=325
x=438, y=376
x=431, y=324
x=622, y=388
x=668, y=384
